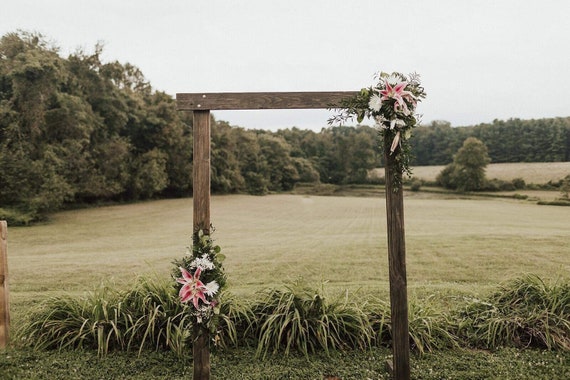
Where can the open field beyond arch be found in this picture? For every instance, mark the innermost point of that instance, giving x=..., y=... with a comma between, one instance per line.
x=454, y=246
x=531, y=172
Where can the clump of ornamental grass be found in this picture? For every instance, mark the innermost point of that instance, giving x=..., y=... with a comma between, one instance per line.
x=429, y=327
x=95, y=321
x=157, y=317
x=235, y=323
x=303, y=319
x=525, y=312
x=105, y=319
x=378, y=311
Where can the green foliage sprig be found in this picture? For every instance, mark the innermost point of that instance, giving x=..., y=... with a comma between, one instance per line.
x=391, y=103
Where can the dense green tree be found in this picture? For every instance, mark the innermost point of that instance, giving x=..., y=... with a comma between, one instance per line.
x=435, y=144
x=363, y=155
x=76, y=129
x=148, y=175
x=226, y=173
x=346, y=154
x=467, y=172
x=306, y=170
x=32, y=171
x=278, y=166
x=252, y=165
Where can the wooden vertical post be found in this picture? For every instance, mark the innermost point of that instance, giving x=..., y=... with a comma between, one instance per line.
x=397, y=267
x=201, y=170
x=201, y=219
x=4, y=293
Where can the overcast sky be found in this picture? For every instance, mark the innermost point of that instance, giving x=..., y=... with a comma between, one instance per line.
x=479, y=60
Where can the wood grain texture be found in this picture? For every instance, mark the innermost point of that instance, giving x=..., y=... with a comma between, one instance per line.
x=201, y=170
x=201, y=220
x=201, y=354
x=261, y=100
x=397, y=269
x=4, y=291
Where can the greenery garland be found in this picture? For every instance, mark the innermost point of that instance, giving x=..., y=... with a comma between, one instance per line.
x=200, y=279
x=392, y=104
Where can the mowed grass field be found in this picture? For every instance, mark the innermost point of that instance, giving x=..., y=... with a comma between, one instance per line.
x=454, y=246
x=532, y=172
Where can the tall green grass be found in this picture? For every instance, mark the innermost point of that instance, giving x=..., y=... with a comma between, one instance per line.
x=430, y=327
x=526, y=312
x=149, y=315
x=303, y=318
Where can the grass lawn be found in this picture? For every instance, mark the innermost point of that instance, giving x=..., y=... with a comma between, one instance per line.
x=505, y=364
x=453, y=244
x=455, y=247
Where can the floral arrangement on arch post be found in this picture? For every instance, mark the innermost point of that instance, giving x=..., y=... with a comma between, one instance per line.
x=200, y=278
x=392, y=104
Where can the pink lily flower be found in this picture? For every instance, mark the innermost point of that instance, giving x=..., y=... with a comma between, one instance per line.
x=398, y=93
x=192, y=288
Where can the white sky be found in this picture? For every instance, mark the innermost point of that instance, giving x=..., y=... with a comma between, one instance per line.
x=479, y=60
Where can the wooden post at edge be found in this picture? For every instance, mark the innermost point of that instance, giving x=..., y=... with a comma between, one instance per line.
x=4, y=292
x=201, y=220
x=397, y=267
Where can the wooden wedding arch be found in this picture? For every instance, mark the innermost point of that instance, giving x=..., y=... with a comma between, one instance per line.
x=201, y=104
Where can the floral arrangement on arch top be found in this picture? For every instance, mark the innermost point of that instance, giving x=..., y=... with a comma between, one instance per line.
x=392, y=104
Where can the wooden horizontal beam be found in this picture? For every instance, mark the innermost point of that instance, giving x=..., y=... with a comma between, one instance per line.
x=261, y=100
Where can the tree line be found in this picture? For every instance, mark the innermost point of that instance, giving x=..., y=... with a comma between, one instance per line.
x=76, y=130
x=513, y=140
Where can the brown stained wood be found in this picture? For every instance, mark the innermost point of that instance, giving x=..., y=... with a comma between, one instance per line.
x=397, y=270
x=261, y=100
x=201, y=220
x=201, y=354
x=201, y=170
x=4, y=291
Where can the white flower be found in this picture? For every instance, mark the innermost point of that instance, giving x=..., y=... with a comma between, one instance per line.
x=211, y=288
x=202, y=262
x=375, y=103
x=397, y=123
